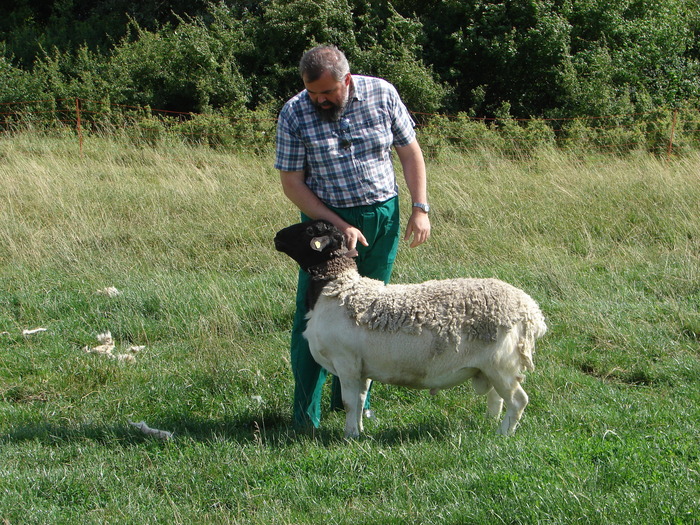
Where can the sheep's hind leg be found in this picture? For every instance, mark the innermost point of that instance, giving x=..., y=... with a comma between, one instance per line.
x=494, y=402
x=481, y=384
x=515, y=400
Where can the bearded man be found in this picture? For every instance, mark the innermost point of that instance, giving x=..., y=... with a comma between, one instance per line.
x=334, y=154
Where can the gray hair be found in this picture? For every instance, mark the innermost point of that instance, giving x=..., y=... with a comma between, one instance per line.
x=320, y=59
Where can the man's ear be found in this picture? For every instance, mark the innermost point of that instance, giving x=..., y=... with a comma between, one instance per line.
x=319, y=243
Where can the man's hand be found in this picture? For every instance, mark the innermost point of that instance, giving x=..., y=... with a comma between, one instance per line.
x=419, y=227
x=413, y=165
x=352, y=237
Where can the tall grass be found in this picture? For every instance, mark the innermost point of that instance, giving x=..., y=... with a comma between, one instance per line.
x=609, y=246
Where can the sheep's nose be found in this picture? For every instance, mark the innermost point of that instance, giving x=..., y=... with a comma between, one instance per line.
x=280, y=245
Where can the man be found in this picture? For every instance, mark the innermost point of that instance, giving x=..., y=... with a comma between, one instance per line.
x=334, y=142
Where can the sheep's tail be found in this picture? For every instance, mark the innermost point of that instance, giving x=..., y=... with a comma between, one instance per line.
x=534, y=328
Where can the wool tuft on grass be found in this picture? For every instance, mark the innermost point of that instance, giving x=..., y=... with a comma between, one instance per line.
x=106, y=347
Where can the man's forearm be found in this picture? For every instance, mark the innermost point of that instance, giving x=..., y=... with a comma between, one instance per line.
x=310, y=205
x=413, y=165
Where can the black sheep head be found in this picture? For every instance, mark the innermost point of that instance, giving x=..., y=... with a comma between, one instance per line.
x=310, y=243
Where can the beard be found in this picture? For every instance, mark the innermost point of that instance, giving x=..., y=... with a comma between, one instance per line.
x=330, y=112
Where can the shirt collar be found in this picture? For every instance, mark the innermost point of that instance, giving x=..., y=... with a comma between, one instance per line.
x=357, y=91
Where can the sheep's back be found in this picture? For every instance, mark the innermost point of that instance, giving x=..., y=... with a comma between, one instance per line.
x=451, y=308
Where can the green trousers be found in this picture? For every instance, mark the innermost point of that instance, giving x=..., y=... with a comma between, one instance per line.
x=379, y=224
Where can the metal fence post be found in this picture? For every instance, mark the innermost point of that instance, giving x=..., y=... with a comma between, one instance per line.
x=673, y=132
x=80, y=130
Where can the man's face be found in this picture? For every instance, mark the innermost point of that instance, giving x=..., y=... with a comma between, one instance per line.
x=328, y=95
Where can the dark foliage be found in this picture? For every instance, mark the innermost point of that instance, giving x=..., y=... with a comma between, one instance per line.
x=543, y=58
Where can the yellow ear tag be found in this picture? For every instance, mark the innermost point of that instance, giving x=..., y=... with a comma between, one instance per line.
x=318, y=245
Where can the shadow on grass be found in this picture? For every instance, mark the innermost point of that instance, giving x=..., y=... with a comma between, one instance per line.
x=245, y=429
x=269, y=428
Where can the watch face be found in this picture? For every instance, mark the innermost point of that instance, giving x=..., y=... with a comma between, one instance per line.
x=424, y=207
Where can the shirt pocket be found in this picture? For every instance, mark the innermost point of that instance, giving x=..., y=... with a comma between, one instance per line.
x=375, y=132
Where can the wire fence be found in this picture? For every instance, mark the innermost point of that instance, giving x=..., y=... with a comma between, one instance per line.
x=668, y=132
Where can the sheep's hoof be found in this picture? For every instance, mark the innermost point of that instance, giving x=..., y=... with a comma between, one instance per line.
x=506, y=429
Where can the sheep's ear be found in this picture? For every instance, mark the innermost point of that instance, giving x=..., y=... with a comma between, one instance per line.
x=319, y=243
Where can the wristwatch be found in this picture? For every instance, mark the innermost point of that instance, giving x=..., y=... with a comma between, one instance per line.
x=423, y=206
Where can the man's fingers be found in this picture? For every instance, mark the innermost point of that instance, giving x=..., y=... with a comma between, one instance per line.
x=352, y=237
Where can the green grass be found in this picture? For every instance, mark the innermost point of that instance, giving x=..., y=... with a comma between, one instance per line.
x=610, y=248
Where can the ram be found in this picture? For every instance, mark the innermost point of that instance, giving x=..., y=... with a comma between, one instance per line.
x=432, y=335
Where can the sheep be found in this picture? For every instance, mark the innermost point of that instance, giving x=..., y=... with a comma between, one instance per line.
x=432, y=335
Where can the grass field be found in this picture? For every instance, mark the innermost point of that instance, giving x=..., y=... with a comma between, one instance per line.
x=609, y=247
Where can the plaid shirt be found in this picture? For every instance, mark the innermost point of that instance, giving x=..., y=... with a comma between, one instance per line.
x=346, y=163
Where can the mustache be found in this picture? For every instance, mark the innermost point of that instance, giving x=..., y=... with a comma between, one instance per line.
x=325, y=105
x=329, y=111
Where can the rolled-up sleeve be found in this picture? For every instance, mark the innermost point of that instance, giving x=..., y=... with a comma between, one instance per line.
x=402, y=124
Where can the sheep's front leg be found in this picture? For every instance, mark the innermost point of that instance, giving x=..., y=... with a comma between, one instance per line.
x=354, y=391
x=364, y=388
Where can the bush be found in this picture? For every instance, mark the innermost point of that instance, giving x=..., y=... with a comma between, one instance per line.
x=441, y=134
x=253, y=131
x=150, y=130
x=192, y=67
x=15, y=84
